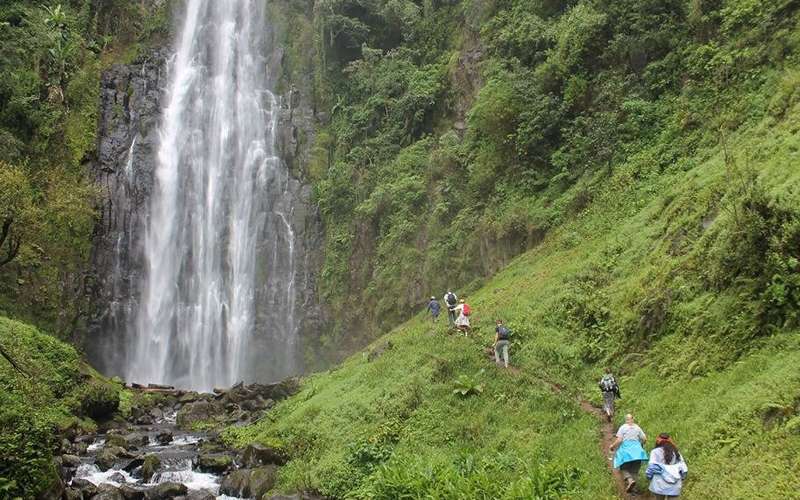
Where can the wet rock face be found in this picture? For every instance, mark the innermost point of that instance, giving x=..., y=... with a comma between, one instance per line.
x=132, y=98
x=130, y=104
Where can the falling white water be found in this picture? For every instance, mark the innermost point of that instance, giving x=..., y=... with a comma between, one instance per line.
x=219, y=244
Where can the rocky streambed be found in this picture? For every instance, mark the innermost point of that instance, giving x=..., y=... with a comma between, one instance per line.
x=169, y=447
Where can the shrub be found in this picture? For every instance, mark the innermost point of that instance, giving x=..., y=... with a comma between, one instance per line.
x=469, y=386
x=100, y=400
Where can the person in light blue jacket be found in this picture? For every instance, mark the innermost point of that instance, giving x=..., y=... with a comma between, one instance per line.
x=666, y=469
x=630, y=453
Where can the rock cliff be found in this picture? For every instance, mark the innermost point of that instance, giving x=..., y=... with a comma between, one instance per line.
x=131, y=101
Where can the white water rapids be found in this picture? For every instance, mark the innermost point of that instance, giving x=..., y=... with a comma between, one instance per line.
x=219, y=246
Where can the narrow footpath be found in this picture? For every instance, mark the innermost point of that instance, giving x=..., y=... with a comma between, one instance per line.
x=606, y=435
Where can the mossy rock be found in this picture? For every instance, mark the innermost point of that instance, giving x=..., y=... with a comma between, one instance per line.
x=150, y=466
x=100, y=401
x=108, y=456
x=117, y=440
x=214, y=462
x=249, y=483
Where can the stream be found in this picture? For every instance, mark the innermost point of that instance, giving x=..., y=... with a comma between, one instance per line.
x=156, y=452
x=178, y=463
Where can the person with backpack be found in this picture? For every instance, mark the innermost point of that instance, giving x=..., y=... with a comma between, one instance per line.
x=501, y=342
x=629, y=451
x=434, y=308
x=610, y=389
x=451, y=301
x=464, y=312
x=666, y=469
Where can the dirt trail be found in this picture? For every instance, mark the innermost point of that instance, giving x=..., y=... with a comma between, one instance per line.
x=606, y=436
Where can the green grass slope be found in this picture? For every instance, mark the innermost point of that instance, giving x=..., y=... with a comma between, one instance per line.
x=49, y=393
x=684, y=280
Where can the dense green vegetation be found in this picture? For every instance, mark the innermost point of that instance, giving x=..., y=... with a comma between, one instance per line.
x=462, y=132
x=51, y=56
x=633, y=283
x=643, y=153
x=617, y=180
x=45, y=391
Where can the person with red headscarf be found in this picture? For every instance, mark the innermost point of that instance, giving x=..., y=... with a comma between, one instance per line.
x=666, y=469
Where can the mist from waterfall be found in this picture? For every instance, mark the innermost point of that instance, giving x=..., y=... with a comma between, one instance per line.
x=219, y=245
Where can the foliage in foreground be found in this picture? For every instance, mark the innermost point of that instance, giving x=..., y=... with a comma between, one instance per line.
x=681, y=279
x=45, y=394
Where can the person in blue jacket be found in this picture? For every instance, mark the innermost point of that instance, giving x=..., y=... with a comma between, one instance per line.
x=629, y=451
x=434, y=308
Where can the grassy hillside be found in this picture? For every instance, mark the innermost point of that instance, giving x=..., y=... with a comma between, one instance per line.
x=684, y=279
x=50, y=391
x=456, y=135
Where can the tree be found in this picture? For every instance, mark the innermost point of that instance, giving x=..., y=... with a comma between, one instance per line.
x=16, y=207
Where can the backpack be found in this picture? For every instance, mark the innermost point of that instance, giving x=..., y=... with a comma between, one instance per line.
x=608, y=384
x=466, y=310
x=450, y=298
x=503, y=333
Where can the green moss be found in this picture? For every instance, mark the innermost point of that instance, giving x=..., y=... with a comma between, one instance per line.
x=36, y=400
x=204, y=425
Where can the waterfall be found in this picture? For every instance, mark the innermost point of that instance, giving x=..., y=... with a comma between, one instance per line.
x=219, y=242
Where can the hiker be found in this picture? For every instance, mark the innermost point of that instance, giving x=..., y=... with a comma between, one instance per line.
x=451, y=301
x=501, y=343
x=666, y=469
x=464, y=312
x=434, y=308
x=610, y=389
x=630, y=454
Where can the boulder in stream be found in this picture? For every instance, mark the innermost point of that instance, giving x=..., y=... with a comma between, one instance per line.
x=108, y=456
x=189, y=397
x=214, y=462
x=165, y=491
x=108, y=492
x=70, y=460
x=198, y=495
x=131, y=493
x=150, y=466
x=117, y=440
x=86, y=487
x=198, y=411
x=164, y=438
x=117, y=477
x=73, y=494
x=258, y=454
x=249, y=483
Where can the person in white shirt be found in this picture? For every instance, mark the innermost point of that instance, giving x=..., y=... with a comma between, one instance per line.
x=666, y=469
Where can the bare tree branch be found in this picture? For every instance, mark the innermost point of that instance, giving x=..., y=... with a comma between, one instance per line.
x=11, y=360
